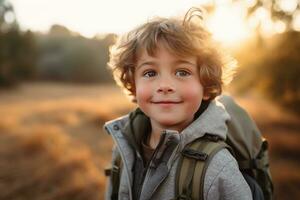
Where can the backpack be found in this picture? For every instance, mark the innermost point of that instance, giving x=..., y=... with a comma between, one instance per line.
x=244, y=141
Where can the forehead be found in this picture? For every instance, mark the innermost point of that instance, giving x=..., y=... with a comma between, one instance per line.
x=163, y=51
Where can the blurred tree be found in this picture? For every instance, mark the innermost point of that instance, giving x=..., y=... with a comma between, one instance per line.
x=284, y=11
x=272, y=70
x=67, y=56
x=281, y=70
x=57, y=29
x=17, y=49
x=271, y=65
x=7, y=17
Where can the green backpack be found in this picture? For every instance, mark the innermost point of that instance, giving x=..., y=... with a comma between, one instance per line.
x=244, y=141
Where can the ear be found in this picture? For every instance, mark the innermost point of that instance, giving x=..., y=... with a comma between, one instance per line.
x=206, y=96
x=133, y=99
x=132, y=94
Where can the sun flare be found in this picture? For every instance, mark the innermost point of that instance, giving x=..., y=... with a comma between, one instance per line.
x=227, y=24
x=99, y=17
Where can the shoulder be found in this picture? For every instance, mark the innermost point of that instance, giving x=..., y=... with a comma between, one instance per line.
x=223, y=179
x=116, y=124
x=121, y=122
x=220, y=162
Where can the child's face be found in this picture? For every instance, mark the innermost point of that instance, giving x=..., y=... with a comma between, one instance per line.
x=168, y=89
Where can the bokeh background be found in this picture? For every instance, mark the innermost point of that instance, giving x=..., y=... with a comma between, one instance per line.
x=56, y=92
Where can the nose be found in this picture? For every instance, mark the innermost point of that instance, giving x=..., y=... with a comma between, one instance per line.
x=165, y=89
x=165, y=86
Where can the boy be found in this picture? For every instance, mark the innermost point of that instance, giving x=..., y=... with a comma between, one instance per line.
x=173, y=71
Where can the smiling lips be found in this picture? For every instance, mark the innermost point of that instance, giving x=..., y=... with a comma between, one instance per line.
x=167, y=102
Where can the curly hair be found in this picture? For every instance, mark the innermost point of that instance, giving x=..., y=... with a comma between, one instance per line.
x=183, y=37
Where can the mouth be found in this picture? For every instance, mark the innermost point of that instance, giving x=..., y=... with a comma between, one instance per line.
x=166, y=102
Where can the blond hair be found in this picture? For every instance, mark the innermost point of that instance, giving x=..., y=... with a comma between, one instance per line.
x=183, y=37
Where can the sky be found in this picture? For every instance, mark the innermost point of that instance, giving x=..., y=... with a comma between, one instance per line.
x=91, y=17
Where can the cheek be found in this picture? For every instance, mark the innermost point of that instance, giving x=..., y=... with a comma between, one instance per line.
x=193, y=95
x=143, y=92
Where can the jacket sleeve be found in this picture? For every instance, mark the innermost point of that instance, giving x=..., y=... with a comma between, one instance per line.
x=223, y=179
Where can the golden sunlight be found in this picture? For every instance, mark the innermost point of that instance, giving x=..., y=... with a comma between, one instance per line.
x=227, y=24
x=98, y=17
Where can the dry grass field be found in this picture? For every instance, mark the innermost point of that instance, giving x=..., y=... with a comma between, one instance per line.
x=52, y=145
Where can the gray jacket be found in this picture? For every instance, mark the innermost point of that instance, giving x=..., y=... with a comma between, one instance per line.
x=223, y=179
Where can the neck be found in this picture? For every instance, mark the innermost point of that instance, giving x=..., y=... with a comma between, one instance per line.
x=155, y=136
x=157, y=130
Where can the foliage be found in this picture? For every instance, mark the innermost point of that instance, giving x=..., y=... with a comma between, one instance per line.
x=277, y=11
x=17, y=49
x=58, y=55
x=67, y=56
x=273, y=69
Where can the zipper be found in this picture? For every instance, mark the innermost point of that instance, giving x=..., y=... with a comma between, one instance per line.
x=146, y=171
x=156, y=156
x=143, y=174
x=157, y=153
x=142, y=182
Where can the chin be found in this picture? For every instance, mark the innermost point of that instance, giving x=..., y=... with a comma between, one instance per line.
x=168, y=122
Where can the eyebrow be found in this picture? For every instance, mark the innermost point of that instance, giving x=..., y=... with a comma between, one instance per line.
x=177, y=62
x=184, y=62
x=146, y=63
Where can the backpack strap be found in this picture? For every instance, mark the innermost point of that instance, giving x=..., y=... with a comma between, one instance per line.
x=114, y=172
x=193, y=165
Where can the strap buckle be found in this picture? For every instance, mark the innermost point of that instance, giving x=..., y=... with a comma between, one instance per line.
x=214, y=138
x=197, y=155
x=111, y=170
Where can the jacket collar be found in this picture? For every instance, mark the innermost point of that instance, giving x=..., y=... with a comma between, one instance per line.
x=135, y=129
x=212, y=120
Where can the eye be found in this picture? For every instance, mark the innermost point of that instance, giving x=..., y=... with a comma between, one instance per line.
x=182, y=73
x=149, y=73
